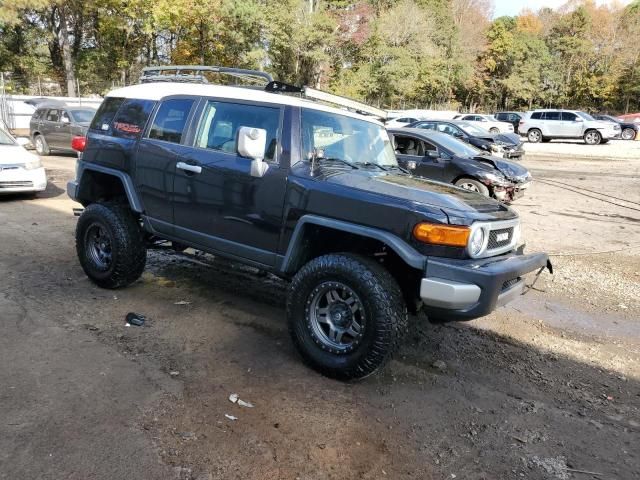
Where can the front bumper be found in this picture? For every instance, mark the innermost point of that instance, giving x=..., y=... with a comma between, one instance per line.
x=466, y=289
x=20, y=180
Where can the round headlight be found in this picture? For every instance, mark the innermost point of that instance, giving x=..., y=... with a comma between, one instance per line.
x=476, y=242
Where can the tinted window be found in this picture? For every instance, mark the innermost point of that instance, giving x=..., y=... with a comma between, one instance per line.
x=39, y=114
x=171, y=120
x=105, y=114
x=82, y=116
x=427, y=125
x=131, y=118
x=65, y=117
x=552, y=116
x=536, y=115
x=53, y=115
x=221, y=121
x=568, y=116
x=448, y=129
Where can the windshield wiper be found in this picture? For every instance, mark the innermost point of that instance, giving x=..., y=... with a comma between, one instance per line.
x=398, y=167
x=366, y=164
x=335, y=159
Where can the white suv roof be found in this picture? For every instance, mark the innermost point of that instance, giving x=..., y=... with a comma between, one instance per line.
x=159, y=90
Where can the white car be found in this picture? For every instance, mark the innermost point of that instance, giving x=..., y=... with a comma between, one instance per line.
x=400, y=122
x=488, y=122
x=20, y=171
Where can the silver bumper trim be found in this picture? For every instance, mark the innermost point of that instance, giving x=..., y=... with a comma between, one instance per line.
x=438, y=292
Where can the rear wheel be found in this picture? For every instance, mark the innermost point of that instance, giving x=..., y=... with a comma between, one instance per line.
x=534, y=135
x=628, y=134
x=41, y=145
x=346, y=315
x=592, y=137
x=110, y=245
x=472, y=185
x=494, y=130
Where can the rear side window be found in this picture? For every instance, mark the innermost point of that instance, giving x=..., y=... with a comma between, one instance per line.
x=221, y=121
x=131, y=118
x=171, y=120
x=106, y=112
x=536, y=116
x=552, y=116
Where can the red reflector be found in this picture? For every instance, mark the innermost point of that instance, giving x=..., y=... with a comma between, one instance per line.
x=78, y=143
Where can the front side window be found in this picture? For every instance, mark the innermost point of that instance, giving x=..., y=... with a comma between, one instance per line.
x=221, y=121
x=130, y=120
x=569, y=117
x=345, y=138
x=171, y=120
x=427, y=126
x=449, y=129
x=53, y=115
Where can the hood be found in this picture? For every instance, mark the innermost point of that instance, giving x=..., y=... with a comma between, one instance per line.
x=10, y=154
x=452, y=200
x=509, y=169
x=508, y=138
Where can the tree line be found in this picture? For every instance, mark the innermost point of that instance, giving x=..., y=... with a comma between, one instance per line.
x=390, y=53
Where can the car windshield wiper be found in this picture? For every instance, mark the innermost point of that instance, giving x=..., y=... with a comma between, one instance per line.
x=335, y=159
x=398, y=167
x=366, y=164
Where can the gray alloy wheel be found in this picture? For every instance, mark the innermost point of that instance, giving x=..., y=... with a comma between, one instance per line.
x=592, y=137
x=41, y=145
x=97, y=244
x=494, y=130
x=534, y=135
x=628, y=134
x=473, y=186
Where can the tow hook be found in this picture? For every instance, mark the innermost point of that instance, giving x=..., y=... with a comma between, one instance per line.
x=77, y=212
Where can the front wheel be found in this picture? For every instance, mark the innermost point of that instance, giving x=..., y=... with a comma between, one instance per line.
x=346, y=315
x=110, y=245
x=494, y=130
x=472, y=185
x=592, y=137
x=628, y=134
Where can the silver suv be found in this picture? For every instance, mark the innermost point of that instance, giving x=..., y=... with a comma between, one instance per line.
x=546, y=125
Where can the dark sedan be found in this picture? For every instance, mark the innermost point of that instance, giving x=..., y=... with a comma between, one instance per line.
x=507, y=145
x=629, y=130
x=441, y=157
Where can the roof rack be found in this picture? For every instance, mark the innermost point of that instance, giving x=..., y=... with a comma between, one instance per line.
x=321, y=96
x=197, y=74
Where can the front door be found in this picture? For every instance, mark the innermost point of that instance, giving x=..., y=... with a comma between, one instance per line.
x=217, y=203
x=571, y=125
x=421, y=153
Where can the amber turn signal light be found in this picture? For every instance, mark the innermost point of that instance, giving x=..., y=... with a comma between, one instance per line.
x=437, y=234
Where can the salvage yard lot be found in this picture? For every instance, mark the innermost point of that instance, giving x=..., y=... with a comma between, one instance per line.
x=541, y=389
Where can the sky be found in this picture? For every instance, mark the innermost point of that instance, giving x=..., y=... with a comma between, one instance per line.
x=513, y=7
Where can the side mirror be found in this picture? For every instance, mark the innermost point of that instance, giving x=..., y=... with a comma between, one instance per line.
x=458, y=135
x=23, y=142
x=579, y=120
x=433, y=154
x=251, y=144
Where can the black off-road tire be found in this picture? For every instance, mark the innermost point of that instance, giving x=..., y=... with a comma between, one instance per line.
x=41, y=145
x=382, y=302
x=127, y=245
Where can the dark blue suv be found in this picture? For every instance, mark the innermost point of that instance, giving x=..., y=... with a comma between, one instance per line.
x=308, y=192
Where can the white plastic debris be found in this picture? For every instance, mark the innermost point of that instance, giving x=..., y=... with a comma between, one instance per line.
x=233, y=398
x=231, y=417
x=182, y=302
x=242, y=403
x=174, y=373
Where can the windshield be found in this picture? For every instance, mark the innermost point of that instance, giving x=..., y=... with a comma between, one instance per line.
x=472, y=129
x=5, y=139
x=586, y=116
x=491, y=118
x=345, y=138
x=457, y=147
x=82, y=116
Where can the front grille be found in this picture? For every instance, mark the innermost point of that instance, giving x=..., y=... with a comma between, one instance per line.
x=15, y=184
x=510, y=283
x=500, y=238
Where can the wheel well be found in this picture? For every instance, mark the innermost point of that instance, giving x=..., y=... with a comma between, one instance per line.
x=318, y=240
x=101, y=187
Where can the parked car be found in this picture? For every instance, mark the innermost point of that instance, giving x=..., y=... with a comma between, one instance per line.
x=508, y=145
x=20, y=171
x=488, y=122
x=243, y=174
x=54, y=126
x=444, y=158
x=510, y=117
x=400, y=122
x=547, y=125
x=629, y=130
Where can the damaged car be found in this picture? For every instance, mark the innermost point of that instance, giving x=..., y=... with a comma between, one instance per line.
x=441, y=157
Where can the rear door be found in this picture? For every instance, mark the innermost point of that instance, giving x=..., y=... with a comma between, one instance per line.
x=63, y=130
x=49, y=126
x=217, y=203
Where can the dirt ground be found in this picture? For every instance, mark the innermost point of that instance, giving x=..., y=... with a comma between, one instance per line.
x=545, y=388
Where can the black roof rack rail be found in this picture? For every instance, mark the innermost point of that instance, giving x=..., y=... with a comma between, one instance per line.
x=196, y=74
x=319, y=95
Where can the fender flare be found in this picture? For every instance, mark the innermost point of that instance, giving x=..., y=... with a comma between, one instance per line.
x=405, y=251
x=127, y=182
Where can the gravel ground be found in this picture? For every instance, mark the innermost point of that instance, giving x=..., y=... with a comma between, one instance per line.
x=546, y=388
x=614, y=150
